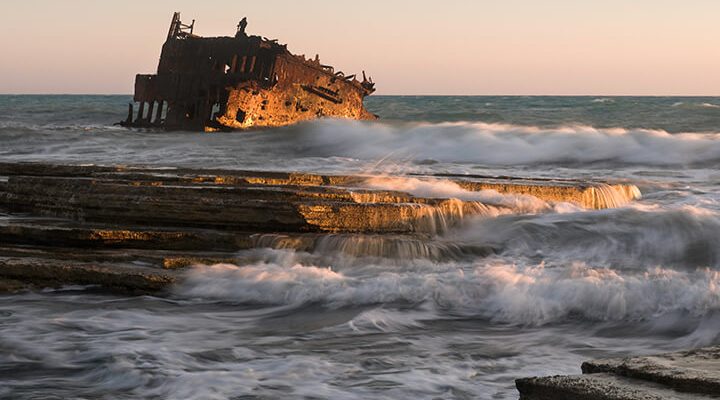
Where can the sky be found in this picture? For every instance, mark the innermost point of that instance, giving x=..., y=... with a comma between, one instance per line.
x=418, y=47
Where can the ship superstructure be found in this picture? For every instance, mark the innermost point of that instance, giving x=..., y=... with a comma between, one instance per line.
x=238, y=82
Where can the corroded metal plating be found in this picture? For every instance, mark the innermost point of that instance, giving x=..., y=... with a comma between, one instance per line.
x=244, y=81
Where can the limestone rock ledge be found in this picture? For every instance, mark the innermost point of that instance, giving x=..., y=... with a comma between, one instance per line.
x=135, y=228
x=693, y=374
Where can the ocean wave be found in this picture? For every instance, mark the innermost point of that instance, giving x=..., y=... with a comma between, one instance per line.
x=637, y=236
x=444, y=189
x=502, y=144
x=16, y=127
x=495, y=290
x=367, y=144
x=695, y=105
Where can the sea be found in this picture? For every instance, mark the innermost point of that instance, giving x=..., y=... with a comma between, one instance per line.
x=564, y=284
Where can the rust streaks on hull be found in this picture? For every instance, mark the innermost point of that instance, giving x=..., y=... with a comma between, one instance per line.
x=240, y=82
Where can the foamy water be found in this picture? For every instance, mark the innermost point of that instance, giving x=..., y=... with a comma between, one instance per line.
x=444, y=189
x=518, y=287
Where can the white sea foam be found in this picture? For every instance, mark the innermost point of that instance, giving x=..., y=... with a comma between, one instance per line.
x=496, y=290
x=439, y=188
x=695, y=105
x=331, y=145
x=263, y=283
x=502, y=144
x=637, y=236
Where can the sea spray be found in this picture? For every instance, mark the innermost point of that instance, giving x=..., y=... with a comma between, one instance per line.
x=347, y=146
x=504, y=144
x=610, y=196
x=443, y=188
x=494, y=290
x=632, y=237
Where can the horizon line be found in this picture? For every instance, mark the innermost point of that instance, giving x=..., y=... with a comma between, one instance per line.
x=411, y=95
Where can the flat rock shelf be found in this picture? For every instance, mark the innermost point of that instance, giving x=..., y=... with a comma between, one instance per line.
x=693, y=374
x=135, y=229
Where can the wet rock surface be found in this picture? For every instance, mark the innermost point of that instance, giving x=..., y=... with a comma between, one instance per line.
x=693, y=374
x=134, y=228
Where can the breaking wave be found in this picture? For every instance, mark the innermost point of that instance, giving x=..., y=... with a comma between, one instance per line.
x=637, y=263
x=502, y=144
x=445, y=189
x=351, y=145
x=495, y=290
x=695, y=105
x=634, y=237
x=598, y=196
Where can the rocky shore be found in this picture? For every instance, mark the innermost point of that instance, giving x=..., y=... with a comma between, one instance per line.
x=693, y=374
x=134, y=229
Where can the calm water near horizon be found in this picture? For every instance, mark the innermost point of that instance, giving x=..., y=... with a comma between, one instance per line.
x=565, y=285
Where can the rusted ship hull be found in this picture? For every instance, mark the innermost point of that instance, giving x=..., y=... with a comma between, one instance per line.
x=240, y=82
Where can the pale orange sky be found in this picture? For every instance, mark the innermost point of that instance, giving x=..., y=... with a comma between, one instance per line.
x=609, y=47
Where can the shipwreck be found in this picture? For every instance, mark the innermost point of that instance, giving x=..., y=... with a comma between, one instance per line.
x=239, y=82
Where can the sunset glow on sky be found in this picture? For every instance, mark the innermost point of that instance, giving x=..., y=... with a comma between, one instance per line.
x=611, y=47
